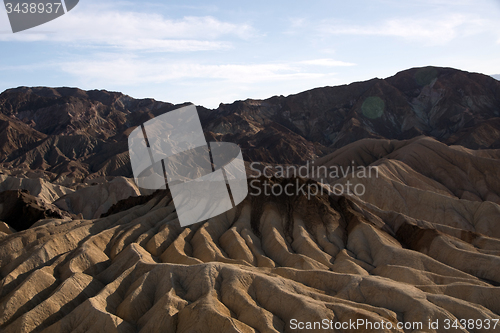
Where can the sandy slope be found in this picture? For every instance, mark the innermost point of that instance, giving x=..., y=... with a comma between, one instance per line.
x=414, y=248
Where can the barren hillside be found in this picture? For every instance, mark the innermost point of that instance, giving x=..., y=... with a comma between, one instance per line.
x=89, y=251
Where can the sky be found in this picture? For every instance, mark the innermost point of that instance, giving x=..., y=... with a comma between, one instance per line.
x=211, y=52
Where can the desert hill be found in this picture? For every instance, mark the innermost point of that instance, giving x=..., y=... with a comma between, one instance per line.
x=86, y=250
x=418, y=245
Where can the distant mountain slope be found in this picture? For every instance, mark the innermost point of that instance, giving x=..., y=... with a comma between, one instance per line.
x=71, y=134
x=420, y=244
x=437, y=102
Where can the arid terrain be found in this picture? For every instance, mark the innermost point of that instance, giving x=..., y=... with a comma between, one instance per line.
x=83, y=249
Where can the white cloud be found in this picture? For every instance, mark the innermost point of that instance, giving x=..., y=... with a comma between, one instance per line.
x=326, y=63
x=297, y=22
x=203, y=84
x=430, y=30
x=111, y=69
x=105, y=26
x=172, y=45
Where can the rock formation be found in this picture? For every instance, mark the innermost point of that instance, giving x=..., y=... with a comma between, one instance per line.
x=414, y=248
x=20, y=210
x=419, y=245
x=88, y=140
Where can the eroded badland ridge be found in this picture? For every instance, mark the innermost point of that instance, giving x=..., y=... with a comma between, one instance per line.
x=421, y=244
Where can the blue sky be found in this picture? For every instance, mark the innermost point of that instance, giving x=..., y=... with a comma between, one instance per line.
x=221, y=51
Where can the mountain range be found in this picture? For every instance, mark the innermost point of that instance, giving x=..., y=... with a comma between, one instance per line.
x=68, y=133
x=83, y=249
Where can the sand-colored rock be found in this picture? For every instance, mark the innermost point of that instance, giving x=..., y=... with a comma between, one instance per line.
x=139, y=271
x=37, y=187
x=411, y=249
x=94, y=200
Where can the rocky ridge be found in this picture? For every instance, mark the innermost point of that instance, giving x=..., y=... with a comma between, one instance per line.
x=420, y=243
x=71, y=135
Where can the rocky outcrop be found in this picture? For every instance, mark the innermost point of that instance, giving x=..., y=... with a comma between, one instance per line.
x=20, y=210
x=95, y=199
x=38, y=187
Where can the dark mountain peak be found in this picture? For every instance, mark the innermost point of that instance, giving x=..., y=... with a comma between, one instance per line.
x=67, y=111
x=58, y=92
x=450, y=105
x=428, y=100
x=415, y=79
